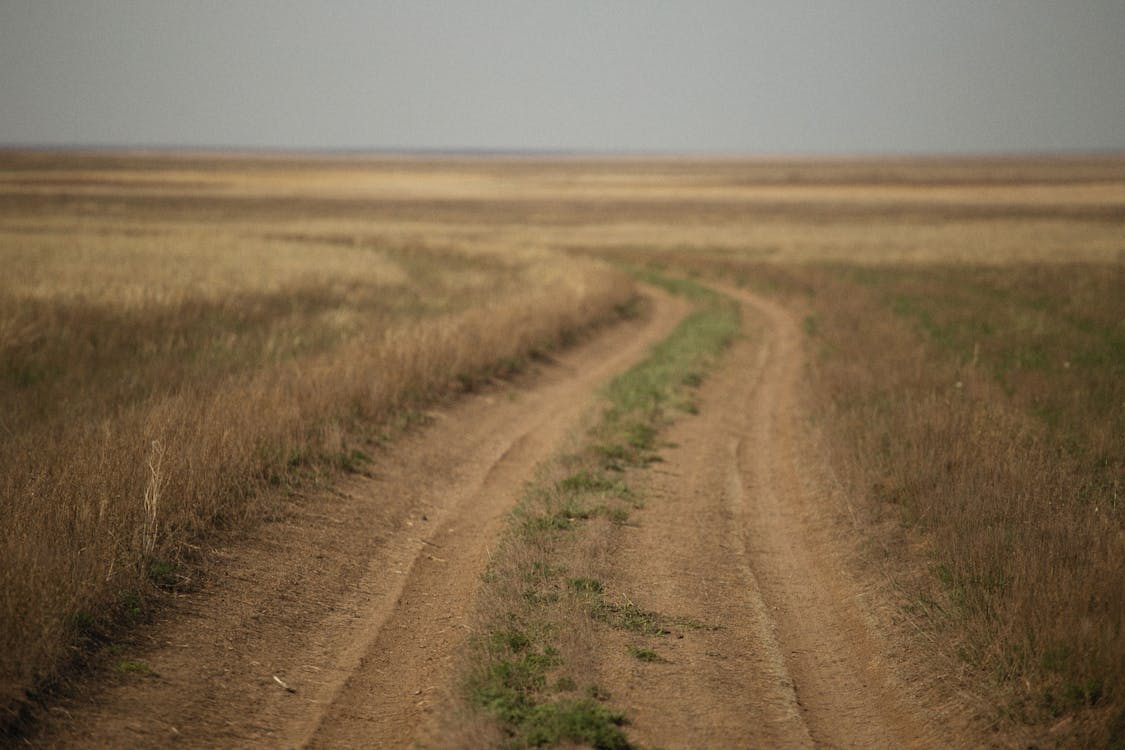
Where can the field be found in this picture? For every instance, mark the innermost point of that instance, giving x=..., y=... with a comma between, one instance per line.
x=167, y=353
x=190, y=343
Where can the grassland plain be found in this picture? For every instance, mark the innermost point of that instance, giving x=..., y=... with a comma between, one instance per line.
x=1003, y=275
x=974, y=414
x=161, y=369
x=967, y=319
x=352, y=593
x=988, y=423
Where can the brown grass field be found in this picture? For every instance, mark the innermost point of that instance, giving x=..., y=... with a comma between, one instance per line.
x=165, y=362
x=181, y=336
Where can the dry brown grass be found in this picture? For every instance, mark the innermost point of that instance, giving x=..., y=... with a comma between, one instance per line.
x=969, y=372
x=982, y=410
x=973, y=416
x=991, y=273
x=529, y=665
x=159, y=372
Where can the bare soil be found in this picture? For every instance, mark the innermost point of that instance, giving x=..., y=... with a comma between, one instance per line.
x=339, y=625
x=743, y=534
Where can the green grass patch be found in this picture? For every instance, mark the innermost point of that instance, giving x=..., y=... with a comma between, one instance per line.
x=577, y=720
x=591, y=482
x=646, y=654
x=134, y=666
x=635, y=619
x=520, y=674
x=513, y=688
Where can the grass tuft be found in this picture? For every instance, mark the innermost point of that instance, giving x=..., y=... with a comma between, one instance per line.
x=646, y=655
x=134, y=666
x=575, y=720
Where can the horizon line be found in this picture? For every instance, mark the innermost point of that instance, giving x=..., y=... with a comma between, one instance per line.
x=505, y=152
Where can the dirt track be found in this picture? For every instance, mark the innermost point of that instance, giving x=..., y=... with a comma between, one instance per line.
x=338, y=625
x=354, y=599
x=739, y=533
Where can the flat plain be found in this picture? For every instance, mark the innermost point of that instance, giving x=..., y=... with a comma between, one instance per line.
x=257, y=407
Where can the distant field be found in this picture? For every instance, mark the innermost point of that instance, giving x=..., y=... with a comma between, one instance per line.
x=178, y=333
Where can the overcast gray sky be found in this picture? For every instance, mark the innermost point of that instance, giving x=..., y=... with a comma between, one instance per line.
x=772, y=76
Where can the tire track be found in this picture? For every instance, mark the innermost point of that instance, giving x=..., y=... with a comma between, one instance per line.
x=847, y=692
x=740, y=536
x=336, y=625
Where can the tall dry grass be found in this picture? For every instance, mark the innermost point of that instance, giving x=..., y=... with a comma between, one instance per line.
x=974, y=417
x=994, y=432
x=158, y=377
x=305, y=258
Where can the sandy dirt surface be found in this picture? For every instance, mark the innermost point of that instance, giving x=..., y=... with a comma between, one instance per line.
x=739, y=535
x=337, y=624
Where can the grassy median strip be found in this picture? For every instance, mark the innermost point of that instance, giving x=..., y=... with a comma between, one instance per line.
x=528, y=663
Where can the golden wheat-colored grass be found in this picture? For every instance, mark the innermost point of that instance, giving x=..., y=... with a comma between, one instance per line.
x=151, y=305
x=965, y=321
x=161, y=366
x=973, y=413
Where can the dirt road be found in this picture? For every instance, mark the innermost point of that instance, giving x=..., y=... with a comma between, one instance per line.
x=337, y=625
x=740, y=533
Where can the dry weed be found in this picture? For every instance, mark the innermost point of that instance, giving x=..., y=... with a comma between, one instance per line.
x=158, y=373
x=177, y=298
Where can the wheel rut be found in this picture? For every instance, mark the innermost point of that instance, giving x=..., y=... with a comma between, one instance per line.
x=846, y=694
x=336, y=625
x=339, y=624
x=740, y=534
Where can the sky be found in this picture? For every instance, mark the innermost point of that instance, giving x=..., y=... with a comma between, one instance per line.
x=710, y=76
